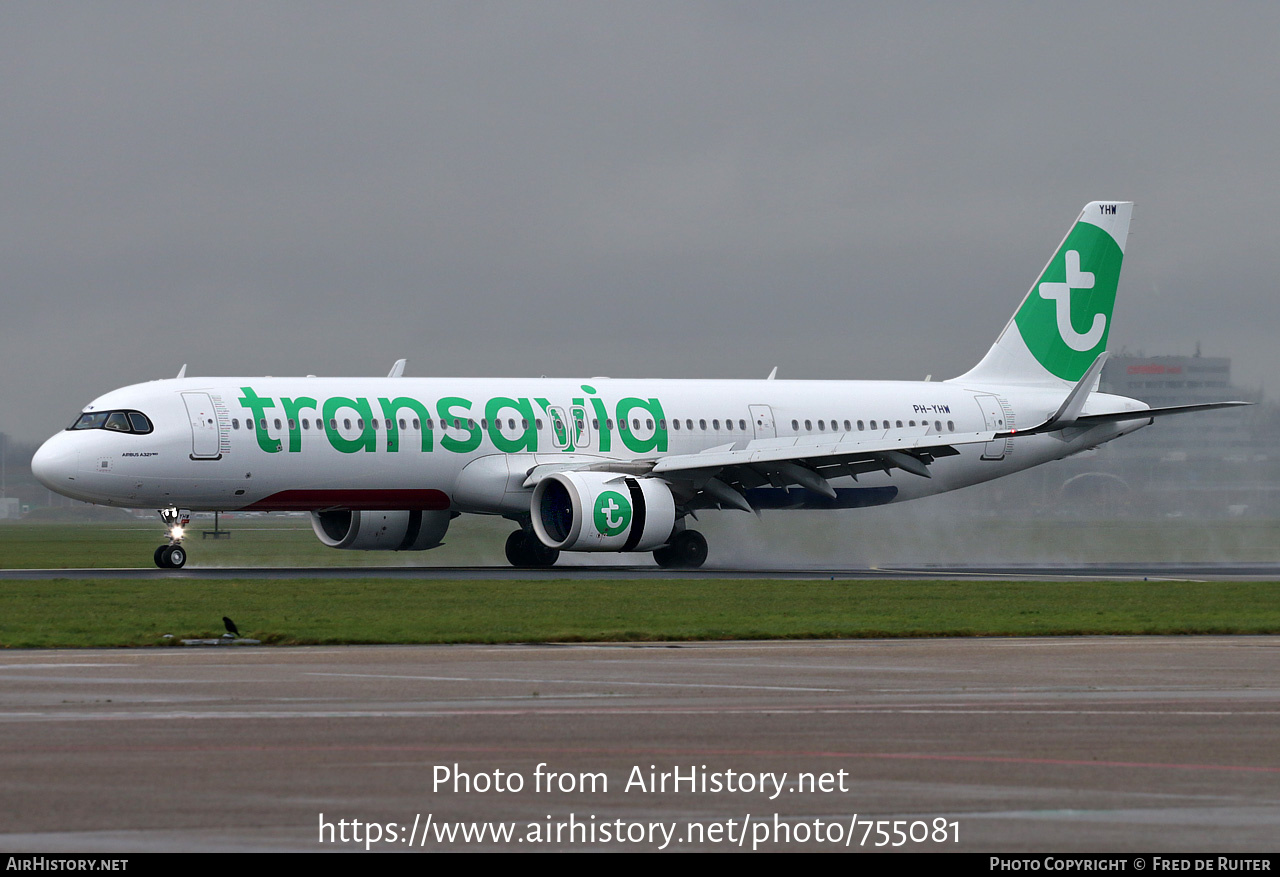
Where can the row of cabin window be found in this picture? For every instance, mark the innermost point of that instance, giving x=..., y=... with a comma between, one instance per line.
x=444, y=424
x=484, y=424
x=595, y=424
x=875, y=424
x=715, y=425
x=377, y=424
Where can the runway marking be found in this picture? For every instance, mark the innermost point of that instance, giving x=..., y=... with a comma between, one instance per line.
x=600, y=682
x=215, y=712
x=1101, y=691
x=58, y=666
x=1198, y=816
x=758, y=665
x=1045, y=575
x=122, y=680
x=631, y=752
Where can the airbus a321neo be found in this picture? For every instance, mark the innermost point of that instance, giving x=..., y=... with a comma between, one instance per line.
x=384, y=464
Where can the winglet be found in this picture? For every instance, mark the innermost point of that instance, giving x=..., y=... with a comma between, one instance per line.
x=397, y=370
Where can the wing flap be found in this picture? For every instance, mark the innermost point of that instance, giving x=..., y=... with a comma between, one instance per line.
x=820, y=453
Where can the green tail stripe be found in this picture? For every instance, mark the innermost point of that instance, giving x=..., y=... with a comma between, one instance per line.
x=1066, y=319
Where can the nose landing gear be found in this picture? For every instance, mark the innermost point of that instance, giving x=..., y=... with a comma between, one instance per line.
x=173, y=555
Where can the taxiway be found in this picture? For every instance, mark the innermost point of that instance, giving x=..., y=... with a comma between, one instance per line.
x=1054, y=744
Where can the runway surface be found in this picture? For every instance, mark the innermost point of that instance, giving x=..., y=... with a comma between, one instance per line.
x=1048, y=572
x=1052, y=745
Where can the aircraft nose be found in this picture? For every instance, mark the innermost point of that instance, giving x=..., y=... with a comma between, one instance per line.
x=54, y=464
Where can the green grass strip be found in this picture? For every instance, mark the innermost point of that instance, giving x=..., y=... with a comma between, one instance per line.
x=114, y=612
x=789, y=539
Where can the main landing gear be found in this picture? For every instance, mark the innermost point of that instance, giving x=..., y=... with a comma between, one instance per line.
x=525, y=551
x=686, y=550
x=173, y=555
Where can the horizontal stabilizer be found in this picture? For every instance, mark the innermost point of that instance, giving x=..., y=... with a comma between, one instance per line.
x=1144, y=413
x=1084, y=421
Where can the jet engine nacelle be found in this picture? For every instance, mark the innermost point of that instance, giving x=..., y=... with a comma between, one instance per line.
x=602, y=511
x=381, y=531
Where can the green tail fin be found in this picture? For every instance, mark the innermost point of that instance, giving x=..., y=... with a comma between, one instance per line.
x=1064, y=321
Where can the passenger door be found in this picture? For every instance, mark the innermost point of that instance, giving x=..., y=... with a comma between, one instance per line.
x=762, y=421
x=205, y=440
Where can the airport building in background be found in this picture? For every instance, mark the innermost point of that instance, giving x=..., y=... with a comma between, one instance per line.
x=1228, y=435
x=1223, y=463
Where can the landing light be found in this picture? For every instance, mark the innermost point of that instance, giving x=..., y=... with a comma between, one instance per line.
x=176, y=532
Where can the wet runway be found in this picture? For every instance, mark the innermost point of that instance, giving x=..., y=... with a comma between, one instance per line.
x=1049, y=572
x=1054, y=744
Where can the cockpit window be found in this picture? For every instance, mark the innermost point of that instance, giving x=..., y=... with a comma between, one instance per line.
x=91, y=421
x=117, y=421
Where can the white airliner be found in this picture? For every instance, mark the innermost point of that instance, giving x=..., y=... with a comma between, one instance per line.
x=384, y=464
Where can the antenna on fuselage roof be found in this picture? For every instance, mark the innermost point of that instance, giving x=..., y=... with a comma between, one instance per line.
x=773, y=374
x=182, y=372
x=397, y=370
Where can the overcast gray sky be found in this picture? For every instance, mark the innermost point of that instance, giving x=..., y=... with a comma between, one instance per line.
x=667, y=189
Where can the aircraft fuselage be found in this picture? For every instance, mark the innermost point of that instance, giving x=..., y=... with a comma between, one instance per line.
x=273, y=444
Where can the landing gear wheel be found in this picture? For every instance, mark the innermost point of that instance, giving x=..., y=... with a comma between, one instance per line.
x=516, y=554
x=171, y=557
x=524, y=551
x=178, y=556
x=543, y=557
x=688, y=550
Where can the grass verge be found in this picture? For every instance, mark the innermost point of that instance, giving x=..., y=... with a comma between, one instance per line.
x=791, y=539
x=115, y=612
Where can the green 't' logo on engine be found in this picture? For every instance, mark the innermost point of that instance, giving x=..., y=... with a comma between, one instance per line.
x=1067, y=317
x=613, y=513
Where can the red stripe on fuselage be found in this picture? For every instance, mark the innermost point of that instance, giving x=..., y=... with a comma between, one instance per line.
x=381, y=500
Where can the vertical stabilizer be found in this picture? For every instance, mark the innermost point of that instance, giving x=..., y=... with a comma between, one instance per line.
x=1062, y=325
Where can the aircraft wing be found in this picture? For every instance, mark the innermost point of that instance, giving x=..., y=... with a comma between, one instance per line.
x=896, y=452
x=719, y=476
x=816, y=451
x=722, y=475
